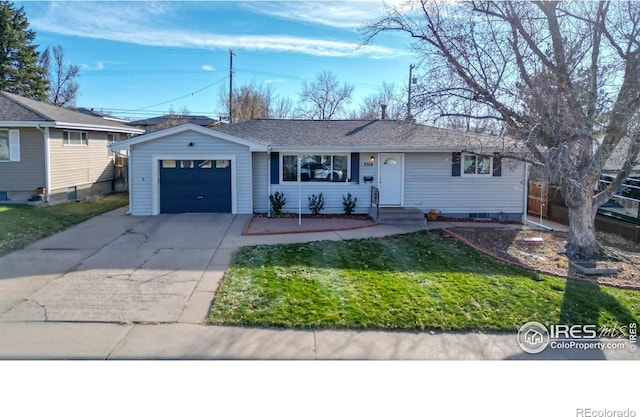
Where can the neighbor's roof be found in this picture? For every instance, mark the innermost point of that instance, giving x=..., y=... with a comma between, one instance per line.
x=20, y=111
x=359, y=134
x=196, y=120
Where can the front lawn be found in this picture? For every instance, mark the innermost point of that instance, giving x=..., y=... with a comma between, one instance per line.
x=423, y=280
x=21, y=225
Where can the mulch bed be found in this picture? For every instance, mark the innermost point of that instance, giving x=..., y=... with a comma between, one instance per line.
x=288, y=223
x=547, y=256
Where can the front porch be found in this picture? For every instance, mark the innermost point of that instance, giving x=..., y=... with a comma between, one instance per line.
x=398, y=216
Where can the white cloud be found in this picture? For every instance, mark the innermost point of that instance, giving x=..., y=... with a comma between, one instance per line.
x=98, y=66
x=151, y=23
x=208, y=68
x=343, y=14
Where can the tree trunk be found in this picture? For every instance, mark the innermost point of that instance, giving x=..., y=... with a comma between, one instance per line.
x=582, y=230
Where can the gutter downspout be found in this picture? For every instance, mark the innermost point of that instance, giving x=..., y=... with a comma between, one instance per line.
x=268, y=180
x=47, y=162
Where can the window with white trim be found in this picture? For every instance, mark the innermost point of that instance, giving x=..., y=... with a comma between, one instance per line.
x=4, y=145
x=74, y=137
x=479, y=165
x=315, y=168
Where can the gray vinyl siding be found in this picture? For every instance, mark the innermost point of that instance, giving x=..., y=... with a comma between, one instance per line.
x=141, y=166
x=27, y=174
x=429, y=184
x=78, y=165
x=333, y=192
x=261, y=177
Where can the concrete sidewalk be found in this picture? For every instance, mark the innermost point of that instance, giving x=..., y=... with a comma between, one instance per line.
x=39, y=340
x=122, y=287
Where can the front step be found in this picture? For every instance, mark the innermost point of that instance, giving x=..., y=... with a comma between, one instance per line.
x=399, y=216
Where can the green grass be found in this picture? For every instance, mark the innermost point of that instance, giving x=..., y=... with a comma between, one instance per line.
x=21, y=225
x=423, y=280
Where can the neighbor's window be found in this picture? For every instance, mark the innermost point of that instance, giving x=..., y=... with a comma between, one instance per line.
x=477, y=165
x=315, y=168
x=111, y=138
x=4, y=145
x=74, y=138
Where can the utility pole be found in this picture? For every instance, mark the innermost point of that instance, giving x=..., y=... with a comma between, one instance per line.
x=231, y=55
x=411, y=80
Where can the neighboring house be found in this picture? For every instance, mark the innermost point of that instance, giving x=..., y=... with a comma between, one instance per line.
x=61, y=152
x=92, y=112
x=236, y=167
x=155, y=124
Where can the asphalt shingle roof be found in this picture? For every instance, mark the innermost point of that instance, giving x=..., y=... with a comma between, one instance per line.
x=196, y=120
x=362, y=134
x=20, y=109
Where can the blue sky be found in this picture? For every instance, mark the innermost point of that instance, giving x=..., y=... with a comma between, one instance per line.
x=138, y=58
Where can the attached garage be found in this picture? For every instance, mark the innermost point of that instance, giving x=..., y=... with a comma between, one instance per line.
x=195, y=186
x=190, y=169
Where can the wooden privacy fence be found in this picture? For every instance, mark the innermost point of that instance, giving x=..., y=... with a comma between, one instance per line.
x=538, y=198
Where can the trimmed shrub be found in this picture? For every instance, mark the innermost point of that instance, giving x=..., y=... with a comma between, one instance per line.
x=349, y=203
x=316, y=203
x=278, y=201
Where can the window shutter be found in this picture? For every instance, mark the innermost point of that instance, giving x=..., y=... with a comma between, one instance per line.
x=275, y=167
x=355, y=167
x=497, y=165
x=14, y=145
x=456, y=164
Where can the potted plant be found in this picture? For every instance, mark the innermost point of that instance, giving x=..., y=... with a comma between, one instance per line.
x=432, y=214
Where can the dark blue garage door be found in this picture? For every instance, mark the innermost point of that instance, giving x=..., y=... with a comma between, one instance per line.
x=190, y=186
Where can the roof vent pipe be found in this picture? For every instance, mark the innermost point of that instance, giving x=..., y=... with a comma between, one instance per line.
x=384, y=111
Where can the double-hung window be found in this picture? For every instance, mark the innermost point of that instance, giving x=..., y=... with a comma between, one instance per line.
x=74, y=137
x=4, y=145
x=476, y=165
x=315, y=168
x=9, y=145
x=111, y=138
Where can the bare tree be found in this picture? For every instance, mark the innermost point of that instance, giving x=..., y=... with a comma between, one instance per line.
x=324, y=98
x=395, y=99
x=63, y=87
x=173, y=118
x=282, y=108
x=562, y=76
x=254, y=101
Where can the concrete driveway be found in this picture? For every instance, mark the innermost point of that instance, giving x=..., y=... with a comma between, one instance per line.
x=116, y=268
x=119, y=268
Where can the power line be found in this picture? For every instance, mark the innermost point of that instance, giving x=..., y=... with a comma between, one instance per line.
x=184, y=96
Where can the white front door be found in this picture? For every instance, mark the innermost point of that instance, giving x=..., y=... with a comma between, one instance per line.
x=390, y=178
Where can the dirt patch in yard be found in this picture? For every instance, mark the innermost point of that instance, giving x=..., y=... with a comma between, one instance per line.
x=547, y=256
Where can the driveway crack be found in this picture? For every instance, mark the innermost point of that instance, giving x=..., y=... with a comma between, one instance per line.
x=145, y=237
x=43, y=307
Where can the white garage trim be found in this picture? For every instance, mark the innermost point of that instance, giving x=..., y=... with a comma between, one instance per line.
x=155, y=176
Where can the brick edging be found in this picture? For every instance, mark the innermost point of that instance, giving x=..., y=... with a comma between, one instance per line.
x=245, y=232
x=540, y=271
